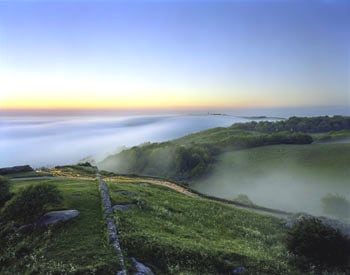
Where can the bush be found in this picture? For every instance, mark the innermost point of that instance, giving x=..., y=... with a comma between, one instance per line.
x=336, y=205
x=316, y=245
x=31, y=203
x=5, y=194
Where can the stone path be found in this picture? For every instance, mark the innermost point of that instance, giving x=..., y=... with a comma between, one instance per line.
x=111, y=226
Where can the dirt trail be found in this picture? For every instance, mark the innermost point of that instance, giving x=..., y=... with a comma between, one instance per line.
x=173, y=186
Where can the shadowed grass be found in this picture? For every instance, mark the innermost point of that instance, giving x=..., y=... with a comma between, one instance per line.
x=76, y=246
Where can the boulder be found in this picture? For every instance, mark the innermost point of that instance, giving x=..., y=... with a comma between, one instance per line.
x=141, y=269
x=54, y=217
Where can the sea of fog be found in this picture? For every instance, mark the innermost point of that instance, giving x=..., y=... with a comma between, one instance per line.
x=48, y=140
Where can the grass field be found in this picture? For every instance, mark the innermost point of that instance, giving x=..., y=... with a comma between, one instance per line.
x=176, y=234
x=78, y=246
x=171, y=232
x=288, y=177
x=168, y=229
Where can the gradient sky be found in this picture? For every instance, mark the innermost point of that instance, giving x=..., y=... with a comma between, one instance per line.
x=144, y=54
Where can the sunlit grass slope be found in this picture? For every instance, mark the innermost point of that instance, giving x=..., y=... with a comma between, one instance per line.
x=176, y=234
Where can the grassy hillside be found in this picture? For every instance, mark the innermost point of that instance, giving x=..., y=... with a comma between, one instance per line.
x=176, y=234
x=170, y=231
x=78, y=246
x=300, y=174
x=193, y=156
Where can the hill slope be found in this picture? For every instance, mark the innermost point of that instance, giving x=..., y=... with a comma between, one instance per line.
x=169, y=231
x=193, y=156
x=289, y=177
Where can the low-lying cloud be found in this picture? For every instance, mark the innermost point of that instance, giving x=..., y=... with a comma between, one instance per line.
x=54, y=140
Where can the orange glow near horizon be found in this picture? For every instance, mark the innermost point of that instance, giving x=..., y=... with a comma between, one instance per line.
x=46, y=91
x=144, y=103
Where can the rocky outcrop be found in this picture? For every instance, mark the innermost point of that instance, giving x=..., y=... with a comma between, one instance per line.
x=54, y=217
x=51, y=218
x=15, y=169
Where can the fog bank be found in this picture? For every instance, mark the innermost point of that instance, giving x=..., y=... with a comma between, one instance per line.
x=291, y=178
x=54, y=140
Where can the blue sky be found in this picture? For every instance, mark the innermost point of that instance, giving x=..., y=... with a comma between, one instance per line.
x=174, y=53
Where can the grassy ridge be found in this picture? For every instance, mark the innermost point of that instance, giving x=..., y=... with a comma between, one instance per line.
x=176, y=234
x=194, y=155
x=78, y=246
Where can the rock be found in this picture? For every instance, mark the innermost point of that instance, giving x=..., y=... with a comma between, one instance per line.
x=54, y=217
x=141, y=269
x=126, y=193
x=239, y=270
x=15, y=169
x=122, y=207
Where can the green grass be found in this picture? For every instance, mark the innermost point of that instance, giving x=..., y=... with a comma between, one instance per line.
x=76, y=246
x=175, y=234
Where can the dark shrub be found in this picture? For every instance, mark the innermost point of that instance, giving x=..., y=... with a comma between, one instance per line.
x=317, y=245
x=4, y=191
x=31, y=203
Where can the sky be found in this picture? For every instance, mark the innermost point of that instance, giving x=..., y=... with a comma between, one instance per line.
x=174, y=54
